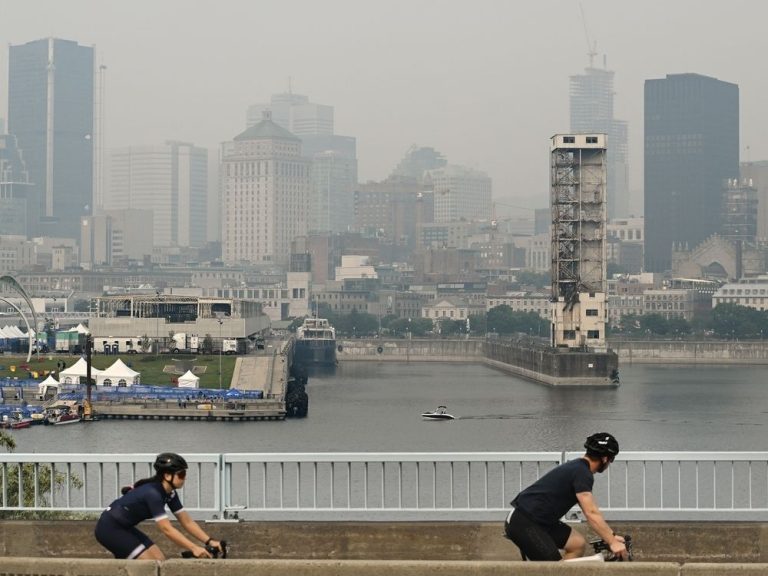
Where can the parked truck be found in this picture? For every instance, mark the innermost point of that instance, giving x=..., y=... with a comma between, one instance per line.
x=234, y=346
x=184, y=343
x=118, y=345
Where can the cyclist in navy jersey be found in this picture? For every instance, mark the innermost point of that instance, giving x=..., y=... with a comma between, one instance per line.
x=534, y=523
x=116, y=529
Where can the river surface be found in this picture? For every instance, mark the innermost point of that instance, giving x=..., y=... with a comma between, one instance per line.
x=376, y=407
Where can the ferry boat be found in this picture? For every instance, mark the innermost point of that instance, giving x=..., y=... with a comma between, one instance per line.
x=315, y=343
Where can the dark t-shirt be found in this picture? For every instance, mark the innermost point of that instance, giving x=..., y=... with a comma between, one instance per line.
x=551, y=496
x=145, y=502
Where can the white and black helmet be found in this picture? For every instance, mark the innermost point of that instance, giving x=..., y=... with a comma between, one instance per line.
x=602, y=444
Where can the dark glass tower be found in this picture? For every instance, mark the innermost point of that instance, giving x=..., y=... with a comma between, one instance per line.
x=691, y=149
x=50, y=111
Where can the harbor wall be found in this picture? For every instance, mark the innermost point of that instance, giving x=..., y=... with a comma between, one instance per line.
x=525, y=358
x=690, y=352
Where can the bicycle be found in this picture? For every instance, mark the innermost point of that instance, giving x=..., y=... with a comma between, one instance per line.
x=212, y=550
x=600, y=547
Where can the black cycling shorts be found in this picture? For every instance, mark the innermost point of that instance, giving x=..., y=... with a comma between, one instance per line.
x=536, y=541
x=123, y=541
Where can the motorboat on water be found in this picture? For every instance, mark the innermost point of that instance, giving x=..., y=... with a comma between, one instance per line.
x=63, y=413
x=440, y=413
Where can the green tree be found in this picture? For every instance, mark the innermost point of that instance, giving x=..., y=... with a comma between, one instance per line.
x=35, y=481
x=208, y=344
x=655, y=324
x=735, y=321
x=450, y=327
x=478, y=324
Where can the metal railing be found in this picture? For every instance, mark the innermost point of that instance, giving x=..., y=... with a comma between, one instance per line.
x=395, y=486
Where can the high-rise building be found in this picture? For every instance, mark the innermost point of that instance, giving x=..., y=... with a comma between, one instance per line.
x=265, y=183
x=171, y=180
x=591, y=100
x=691, y=148
x=577, y=198
x=15, y=212
x=51, y=113
x=740, y=211
x=756, y=173
x=295, y=113
x=460, y=193
x=334, y=158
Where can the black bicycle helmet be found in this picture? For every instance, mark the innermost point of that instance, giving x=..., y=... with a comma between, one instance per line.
x=169, y=462
x=602, y=444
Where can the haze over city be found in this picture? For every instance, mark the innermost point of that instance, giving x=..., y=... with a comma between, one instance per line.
x=484, y=83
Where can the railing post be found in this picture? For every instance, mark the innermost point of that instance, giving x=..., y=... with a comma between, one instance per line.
x=222, y=491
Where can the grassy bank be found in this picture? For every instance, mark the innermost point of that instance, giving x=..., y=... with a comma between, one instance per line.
x=150, y=366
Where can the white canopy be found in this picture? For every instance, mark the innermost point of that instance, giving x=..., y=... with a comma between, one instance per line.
x=118, y=375
x=72, y=374
x=47, y=383
x=189, y=380
x=80, y=329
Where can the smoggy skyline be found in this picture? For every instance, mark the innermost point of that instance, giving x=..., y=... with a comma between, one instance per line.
x=486, y=83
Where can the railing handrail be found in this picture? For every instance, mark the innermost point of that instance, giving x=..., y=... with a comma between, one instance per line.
x=410, y=486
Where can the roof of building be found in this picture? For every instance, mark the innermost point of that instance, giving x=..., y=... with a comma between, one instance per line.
x=266, y=130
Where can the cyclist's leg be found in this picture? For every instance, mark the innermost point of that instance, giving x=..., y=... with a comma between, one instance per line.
x=534, y=542
x=123, y=542
x=151, y=553
x=575, y=545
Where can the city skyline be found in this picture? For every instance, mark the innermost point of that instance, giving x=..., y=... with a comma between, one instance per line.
x=487, y=88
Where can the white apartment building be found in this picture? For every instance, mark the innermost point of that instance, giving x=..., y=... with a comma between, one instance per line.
x=460, y=193
x=171, y=180
x=538, y=303
x=751, y=295
x=265, y=184
x=538, y=253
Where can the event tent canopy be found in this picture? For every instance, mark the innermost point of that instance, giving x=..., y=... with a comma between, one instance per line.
x=189, y=380
x=118, y=375
x=73, y=374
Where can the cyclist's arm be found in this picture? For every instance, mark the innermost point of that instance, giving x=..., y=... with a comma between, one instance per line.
x=194, y=529
x=179, y=539
x=599, y=525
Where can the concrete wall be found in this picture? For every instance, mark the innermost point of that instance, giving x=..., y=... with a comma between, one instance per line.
x=85, y=567
x=685, y=352
x=676, y=542
x=419, y=350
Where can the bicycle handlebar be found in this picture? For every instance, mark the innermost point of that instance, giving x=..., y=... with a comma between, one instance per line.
x=600, y=546
x=212, y=550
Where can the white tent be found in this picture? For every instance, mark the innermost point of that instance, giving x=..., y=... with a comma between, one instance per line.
x=118, y=375
x=72, y=374
x=49, y=382
x=189, y=380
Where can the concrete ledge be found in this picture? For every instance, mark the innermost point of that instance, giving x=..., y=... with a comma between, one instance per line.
x=678, y=542
x=723, y=569
x=76, y=567
x=89, y=567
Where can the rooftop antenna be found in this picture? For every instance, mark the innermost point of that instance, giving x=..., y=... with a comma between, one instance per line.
x=591, y=46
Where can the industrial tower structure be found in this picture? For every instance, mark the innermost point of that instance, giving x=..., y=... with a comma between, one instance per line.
x=578, y=177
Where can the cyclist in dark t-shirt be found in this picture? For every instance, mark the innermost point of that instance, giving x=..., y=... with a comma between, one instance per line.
x=116, y=529
x=534, y=523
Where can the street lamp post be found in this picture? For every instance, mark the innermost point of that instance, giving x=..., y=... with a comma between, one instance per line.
x=157, y=325
x=221, y=347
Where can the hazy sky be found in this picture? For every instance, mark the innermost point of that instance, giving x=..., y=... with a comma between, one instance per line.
x=483, y=81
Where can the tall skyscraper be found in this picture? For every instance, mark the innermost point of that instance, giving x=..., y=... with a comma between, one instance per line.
x=691, y=149
x=591, y=100
x=51, y=112
x=171, y=180
x=295, y=113
x=265, y=184
x=15, y=211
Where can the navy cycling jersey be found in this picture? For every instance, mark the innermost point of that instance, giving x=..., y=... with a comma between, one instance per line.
x=551, y=496
x=147, y=501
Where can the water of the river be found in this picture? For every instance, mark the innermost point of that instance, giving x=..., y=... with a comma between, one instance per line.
x=372, y=407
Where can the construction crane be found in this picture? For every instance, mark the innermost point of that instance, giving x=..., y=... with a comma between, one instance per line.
x=591, y=46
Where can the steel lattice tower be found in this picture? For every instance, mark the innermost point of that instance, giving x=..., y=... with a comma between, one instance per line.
x=578, y=176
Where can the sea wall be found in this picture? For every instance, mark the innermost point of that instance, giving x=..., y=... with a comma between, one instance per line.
x=525, y=358
x=690, y=352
